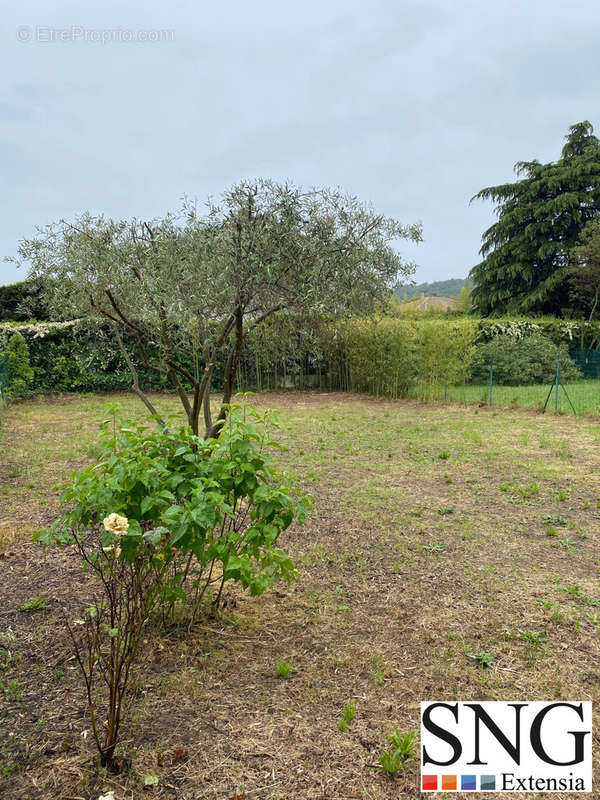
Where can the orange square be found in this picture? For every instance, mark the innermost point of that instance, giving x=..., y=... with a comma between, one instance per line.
x=449, y=783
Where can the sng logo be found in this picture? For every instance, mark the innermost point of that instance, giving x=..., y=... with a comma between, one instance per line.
x=506, y=747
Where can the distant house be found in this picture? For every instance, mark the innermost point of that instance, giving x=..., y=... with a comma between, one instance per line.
x=424, y=303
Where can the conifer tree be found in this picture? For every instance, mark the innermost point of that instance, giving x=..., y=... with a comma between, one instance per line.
x=527, y=262
x=16, y=367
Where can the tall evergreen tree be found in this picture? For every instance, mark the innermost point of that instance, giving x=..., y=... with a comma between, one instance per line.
x=527, y=253
x=585, y=276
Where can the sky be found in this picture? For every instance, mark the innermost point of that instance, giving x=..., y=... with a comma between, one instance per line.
x=123, y=109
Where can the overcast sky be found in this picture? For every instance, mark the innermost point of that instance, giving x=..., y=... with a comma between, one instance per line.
x=413, y=106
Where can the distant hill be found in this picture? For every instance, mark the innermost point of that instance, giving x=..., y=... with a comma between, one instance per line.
x=449, y=288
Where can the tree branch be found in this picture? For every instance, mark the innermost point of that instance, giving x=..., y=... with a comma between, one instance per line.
x=172, y=371
x=265, y=315
x=124, y=319
x=203, y=388
x=136, y=386
x=138, y=340
x=230, y=372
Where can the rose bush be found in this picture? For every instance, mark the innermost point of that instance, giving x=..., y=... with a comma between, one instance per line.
x=165, y=519
x=214, y=509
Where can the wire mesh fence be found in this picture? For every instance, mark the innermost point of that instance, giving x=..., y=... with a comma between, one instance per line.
x=561, y=395
x=584, y=396
x=558, y=394
x=587, y=361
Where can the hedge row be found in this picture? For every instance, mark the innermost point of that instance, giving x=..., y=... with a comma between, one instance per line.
x=389, y=357
x=570, y=332
x=80, y=356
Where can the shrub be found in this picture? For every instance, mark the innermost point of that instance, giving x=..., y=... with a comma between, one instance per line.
x=15, y=369
x=77, y=356
x=380, y=356
x=390, y=356
x=107, y=641
x=217, y=502
x=524, y=360
x=164, y=520
x=445, y=350
x=572, y=332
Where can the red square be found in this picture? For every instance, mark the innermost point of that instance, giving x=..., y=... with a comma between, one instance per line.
x=449, y=783
x=429, y=783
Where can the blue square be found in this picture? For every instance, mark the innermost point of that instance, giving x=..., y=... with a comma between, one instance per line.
x=488, y=782
x=468, y=783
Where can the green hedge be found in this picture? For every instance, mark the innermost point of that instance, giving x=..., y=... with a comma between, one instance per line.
x=572, y=333
x=390, y=356
x=522, y=361
x=81, y=356
x=75, y=357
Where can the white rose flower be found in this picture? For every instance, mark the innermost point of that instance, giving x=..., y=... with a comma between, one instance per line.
x=116, y=524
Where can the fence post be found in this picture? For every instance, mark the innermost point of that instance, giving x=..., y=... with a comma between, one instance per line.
x=491, y=382
x=557, y=383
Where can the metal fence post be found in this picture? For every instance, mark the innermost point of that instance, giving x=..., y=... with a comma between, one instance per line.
x=557, y=383
x=491, y=382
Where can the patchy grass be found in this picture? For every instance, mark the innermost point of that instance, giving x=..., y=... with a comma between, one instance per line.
x=421, y=577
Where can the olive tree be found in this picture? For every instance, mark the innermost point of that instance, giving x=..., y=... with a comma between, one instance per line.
x=187, y=289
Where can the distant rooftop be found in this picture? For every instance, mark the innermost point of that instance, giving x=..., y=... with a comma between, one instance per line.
x=425, y=303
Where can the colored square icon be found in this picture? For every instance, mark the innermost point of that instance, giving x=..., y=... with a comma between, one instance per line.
x=488, y=782
x=468, y=783
x=430, y=783
x=448, y=783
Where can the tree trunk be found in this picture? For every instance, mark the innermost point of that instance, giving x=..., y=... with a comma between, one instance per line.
x=230, y=374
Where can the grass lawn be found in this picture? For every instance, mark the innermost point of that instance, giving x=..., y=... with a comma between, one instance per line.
x=584, y=396
x=443, y=538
